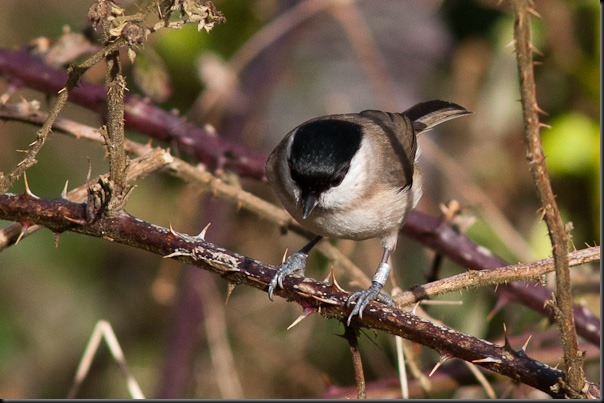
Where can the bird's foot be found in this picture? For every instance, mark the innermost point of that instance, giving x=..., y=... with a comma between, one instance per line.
x=362, y=298
x=294, y=263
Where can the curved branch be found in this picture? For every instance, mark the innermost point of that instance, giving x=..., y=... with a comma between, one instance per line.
x=430, y=231
x=61, y=215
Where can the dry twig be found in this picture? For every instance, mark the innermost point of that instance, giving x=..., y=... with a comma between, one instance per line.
x=103, y=330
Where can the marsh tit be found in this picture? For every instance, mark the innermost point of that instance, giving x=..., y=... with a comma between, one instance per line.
x=353, y=176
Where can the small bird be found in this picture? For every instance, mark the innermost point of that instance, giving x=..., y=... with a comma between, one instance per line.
x=353, y=176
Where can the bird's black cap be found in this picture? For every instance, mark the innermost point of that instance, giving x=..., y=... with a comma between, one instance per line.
x=321, y=153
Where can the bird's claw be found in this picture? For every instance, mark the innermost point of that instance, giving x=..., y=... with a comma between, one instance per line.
x=294, y=263
x=362, y=298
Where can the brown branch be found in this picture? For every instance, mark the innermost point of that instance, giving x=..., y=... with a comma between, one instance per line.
x=61, y=215
x=481, y=278
x=453, y=374
x=22, y=68
x=30, y=157
x=62, y=88
x=115, y=132
x=308, y=293
x=439, y=236
x=562, y=304
x=352, y=337
x=434, y=233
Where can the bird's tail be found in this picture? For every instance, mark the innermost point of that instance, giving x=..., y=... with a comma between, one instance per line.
x=431, y=113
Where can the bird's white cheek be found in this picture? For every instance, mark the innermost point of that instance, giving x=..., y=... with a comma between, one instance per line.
x=345, y=194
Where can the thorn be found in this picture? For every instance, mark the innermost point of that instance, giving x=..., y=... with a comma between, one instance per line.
x=545, y=126
x=534, y=12
x=64, y=192
x=202, y=234
x=440, y=362
x=541, y=210
x=80, y=221
x=541, y=111
x=415, y=308
x=324, y=300
x=305, y=313
x=537, y=51
x=178, y=253
x=526, y=343
x=27, y=189
x=511, y=44
x=506, y=344
x=24, y=226
x=331, y=280
x=284, y=256
x=487, y=359
x=172, y=231
x=230, y=287
x=89, y=171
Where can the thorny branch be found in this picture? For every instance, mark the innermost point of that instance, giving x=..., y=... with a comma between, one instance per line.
x=30, y=157
x=501, y=275
x=61, y=215
x=139, y=115
x=156, y=159
x=452, y=376
x=115, y=133
x=163, y=159
x=422, y=227
x=562, y=303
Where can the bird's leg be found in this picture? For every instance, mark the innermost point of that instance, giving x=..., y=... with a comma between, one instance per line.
x=362, y=298
x=294, y=263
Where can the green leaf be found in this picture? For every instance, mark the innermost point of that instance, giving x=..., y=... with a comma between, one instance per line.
x=572, y=145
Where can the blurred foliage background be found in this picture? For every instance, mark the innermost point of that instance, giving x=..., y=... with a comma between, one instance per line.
x=273, y=65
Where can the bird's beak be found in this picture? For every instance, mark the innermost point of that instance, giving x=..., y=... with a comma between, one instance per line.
x=310, y=203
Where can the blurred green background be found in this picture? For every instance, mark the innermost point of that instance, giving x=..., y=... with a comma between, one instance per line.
x=316, y=59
